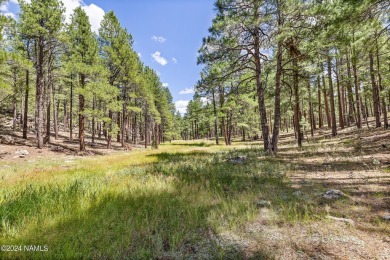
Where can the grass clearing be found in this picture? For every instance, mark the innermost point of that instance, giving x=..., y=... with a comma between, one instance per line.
x=183, y=200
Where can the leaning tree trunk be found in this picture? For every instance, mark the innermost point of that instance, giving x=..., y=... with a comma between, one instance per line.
x=260, y=95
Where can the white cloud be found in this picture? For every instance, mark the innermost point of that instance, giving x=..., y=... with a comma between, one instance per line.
x=159, y=59
x=16, y=1
x=159, y=39
x=181, y=106
x=165, y=85
x=5, y=11
x=4, y=7
x=95, y=14
x=187, y=91
x=69, y=6
x=139, y=54
x=174, y=60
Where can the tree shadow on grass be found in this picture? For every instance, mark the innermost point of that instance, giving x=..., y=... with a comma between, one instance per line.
x=159, y=223
x=156, y=225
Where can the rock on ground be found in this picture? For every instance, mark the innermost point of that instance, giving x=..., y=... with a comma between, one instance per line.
x=333, y=194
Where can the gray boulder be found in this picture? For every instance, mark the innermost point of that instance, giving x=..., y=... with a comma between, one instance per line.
x=333, y=194
x=22, y=152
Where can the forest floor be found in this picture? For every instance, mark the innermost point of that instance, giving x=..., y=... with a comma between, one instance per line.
x=198, y=200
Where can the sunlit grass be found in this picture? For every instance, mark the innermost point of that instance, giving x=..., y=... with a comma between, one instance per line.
x=142, y=204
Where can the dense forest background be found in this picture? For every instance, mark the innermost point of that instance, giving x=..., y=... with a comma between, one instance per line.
x=63, y=77
x=269, y=66
x=273, y=66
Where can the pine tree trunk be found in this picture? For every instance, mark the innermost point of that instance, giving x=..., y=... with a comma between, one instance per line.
x=339, y=97
x=311, y=112
x=327, y=112
x=375, y=92
x=297, y=115
x=65, y=119
x=331, y=97
x=71, y=110
x=39, y=93
x=384, y=110
x=56, y=105
x=146, y=130
x=278, y=76
x=320, y=119
x=358, y=105
x=93, y=118
x=215, y=118
x=109, y=132
x=48, y=115
x=25, y=116
x=82, y=115
x=118, y=122
x=260, y=96
x=351, y=106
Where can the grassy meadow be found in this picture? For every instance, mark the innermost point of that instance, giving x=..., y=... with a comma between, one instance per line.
x=170, y=203
x=143, y=204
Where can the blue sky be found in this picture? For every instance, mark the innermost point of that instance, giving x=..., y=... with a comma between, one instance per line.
x=167, y=35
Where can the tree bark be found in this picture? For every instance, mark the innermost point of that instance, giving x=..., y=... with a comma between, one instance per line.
x=331, y=97
x=25, y=116
x=297, y=115
x=39, y=93
x=358, y=105
x=82, y=115
x=260, y=94
x=375, y=91
x=351, y=106
x=56, y=104
x=215, y=118
x=278, y=77
x=384, y=110
x=339, y=97
x=311, y=111
x=320, y=119
x=327, y=112
x=71, y=110
x=93, y=118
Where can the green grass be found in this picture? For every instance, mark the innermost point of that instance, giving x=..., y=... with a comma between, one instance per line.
x=149, y=204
